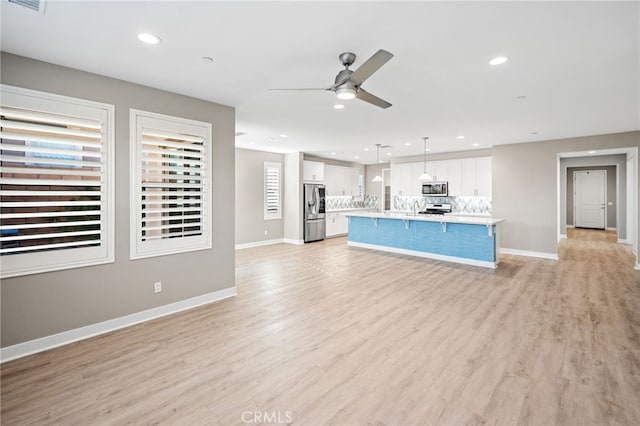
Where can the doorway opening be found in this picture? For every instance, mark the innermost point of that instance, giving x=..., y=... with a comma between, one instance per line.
x=599, y=192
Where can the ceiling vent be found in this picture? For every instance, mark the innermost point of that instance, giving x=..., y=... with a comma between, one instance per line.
x=240, y=133
x=36, y=5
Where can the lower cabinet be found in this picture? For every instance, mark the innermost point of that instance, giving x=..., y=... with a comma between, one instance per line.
x=337, y=224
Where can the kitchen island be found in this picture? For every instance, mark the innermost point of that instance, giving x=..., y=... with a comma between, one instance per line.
x=469, y=240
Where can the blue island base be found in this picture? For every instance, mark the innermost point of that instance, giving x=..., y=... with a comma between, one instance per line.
x=470, y=244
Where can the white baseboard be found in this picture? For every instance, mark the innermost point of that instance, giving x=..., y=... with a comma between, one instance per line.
x=569, y=226
x=611, y=228
x=622, y=241
x=292, y=241
x=49, y=342
x=562, y=237
x=426, y=255
x=527, y=253
x=637, y=266
x=259, y=243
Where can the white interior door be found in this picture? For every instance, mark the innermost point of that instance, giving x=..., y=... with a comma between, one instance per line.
x=589, y=198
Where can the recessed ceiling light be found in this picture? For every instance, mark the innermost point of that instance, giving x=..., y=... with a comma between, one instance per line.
x=284, y=136
x=207, y=58
x=498, y=60
x=460, y=137
x=365, y=149
x=148, y=38
x=338, y=106
x=356, y=157
x=388, y=153
x=252, y=143
x=269, y=139
x=333, y=153
x=427, y=150
x=407, y=143
x=476, y=144
x=592, y=152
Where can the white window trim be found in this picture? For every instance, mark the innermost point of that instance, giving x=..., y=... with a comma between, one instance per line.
x=177, y=245
x=56, y=260
x=273, y=215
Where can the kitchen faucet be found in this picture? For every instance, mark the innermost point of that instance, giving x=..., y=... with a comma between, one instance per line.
x=415, y=204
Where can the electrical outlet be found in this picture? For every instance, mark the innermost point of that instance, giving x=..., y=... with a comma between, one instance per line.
x=157, y=287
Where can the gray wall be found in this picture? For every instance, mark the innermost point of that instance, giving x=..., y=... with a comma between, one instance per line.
x=525, y=186
x=250, y=222
x=613, y=174
x=38, y=305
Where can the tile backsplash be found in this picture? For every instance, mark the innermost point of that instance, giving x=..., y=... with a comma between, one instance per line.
x=477, y=205
x=341, y=202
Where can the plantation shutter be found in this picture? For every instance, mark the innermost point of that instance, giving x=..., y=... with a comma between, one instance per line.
x=53, y=183
x=172, y=185
x=272, y=196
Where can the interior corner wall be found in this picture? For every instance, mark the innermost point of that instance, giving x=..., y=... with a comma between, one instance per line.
x=40, y=305
x=525, y=182
x=251, y=225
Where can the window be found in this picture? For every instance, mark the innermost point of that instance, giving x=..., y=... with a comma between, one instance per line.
x=56, y=182
x=171, y=190
x=272, y=191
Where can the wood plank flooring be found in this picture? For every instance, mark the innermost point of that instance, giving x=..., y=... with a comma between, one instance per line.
x=327, y=334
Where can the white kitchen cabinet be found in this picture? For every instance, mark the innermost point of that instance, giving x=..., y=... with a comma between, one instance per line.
x=332, y=180
x=340, y=180
x=401, y=179
x=437, y=170
x=466, y=177
x=475, y=177
x=483, y=176
x=453, y=177
x=337, y=224
x=313, y=171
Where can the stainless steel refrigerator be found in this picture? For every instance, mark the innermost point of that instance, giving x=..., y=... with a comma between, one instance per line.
x=314, y=212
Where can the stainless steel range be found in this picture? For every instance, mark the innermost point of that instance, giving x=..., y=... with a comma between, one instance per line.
x=436, y=209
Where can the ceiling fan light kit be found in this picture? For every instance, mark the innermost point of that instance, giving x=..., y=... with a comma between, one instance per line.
x=345, y=93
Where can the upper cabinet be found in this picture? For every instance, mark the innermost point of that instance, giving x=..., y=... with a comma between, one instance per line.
x=313, y=171
x=475, y=177
x=401, y=179
x=466, y=177
x=340, y=180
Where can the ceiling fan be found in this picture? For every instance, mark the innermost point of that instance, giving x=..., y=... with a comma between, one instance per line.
x=347, y=84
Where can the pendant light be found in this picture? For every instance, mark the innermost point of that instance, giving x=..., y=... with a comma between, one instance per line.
x=377, y=178
x=425, y=175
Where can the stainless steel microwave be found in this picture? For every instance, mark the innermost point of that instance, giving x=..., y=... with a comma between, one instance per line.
x=435, y=189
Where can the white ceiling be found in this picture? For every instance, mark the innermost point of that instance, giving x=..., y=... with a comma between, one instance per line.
x=577, y=63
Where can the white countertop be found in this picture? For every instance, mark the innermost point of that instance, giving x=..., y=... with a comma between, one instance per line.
x=449, y=218
x=351, y=209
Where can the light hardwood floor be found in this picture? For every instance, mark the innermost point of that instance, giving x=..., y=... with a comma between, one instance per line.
x=326, y=334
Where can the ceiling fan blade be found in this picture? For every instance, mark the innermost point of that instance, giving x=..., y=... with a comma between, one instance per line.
x=370, y=66
x=372, y=99
x=304, y=88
